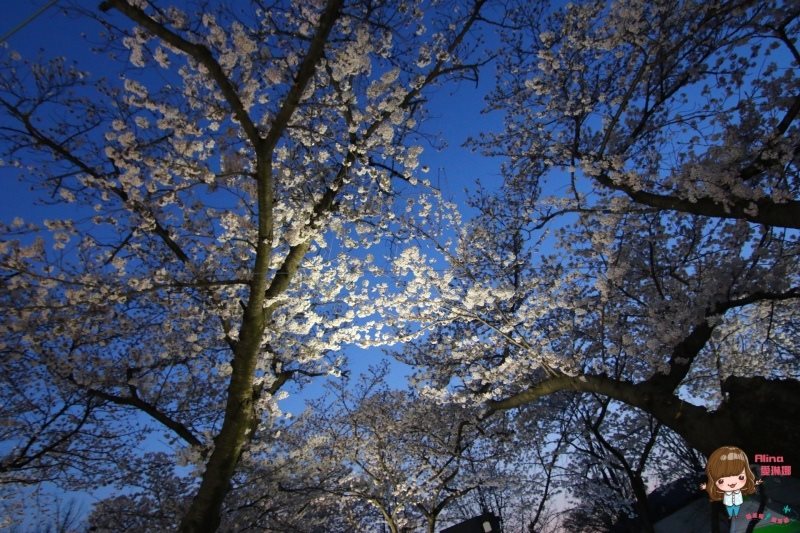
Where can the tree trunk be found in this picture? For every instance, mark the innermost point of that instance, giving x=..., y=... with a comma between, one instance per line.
x=642, y=508
x=759, y=416
x=763, y=416
x=431, y=525
x=204, y=512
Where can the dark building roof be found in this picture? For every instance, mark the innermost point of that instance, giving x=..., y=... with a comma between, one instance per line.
x=664, y=501
x=477, y=524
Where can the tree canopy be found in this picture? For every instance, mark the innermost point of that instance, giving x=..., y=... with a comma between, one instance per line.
x=244, y=197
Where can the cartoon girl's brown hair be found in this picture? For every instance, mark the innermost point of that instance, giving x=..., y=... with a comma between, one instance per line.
x=724, y=462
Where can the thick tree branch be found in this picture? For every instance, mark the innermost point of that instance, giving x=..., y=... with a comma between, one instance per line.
x=686, y=351
x=682, y=357
x=662, y=384
x=700, y=427
x=304, y=74
x=762, y=211
x=136, y=401
x=621, y=390
x=199, y=53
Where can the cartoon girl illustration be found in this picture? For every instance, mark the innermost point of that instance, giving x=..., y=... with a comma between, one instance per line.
x=729, y=478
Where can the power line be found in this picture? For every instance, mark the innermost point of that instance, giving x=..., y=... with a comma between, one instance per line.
x=28, y=20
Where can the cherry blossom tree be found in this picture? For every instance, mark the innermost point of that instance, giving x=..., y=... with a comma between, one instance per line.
x=643, y=245
x=409, y=458
x=154, y=500
x=611, y=462
x=526, y=482
x=230, y=192
x=263, y=496
x=688, y=106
